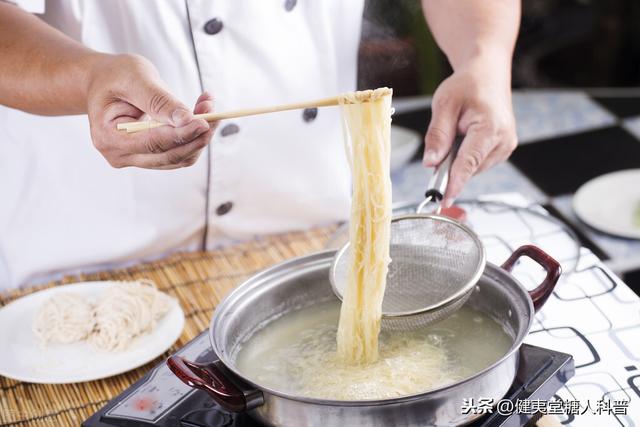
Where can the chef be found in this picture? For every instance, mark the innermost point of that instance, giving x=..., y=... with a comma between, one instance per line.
x=77, y=195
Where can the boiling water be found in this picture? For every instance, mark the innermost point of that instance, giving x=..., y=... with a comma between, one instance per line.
x=296, y=354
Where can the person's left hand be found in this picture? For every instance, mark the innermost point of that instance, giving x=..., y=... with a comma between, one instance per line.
x=474, y=101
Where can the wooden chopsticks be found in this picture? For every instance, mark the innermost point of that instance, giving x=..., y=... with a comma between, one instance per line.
x=360, y=96
x=132, y=127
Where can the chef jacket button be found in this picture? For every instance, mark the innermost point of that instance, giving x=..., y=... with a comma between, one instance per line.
x=289, y=5
x=230, y=129
x=213, y=26
x=309, y=114
x=224, y=208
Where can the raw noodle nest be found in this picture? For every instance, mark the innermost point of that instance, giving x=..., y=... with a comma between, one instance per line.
x=123, y=312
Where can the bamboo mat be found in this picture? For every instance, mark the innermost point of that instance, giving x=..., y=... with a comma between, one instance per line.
x=198, y=280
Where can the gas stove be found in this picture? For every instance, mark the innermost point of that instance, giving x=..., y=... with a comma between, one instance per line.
x=161, y=399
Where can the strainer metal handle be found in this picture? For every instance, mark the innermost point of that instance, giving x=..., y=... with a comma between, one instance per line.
x=440, y=178
x=438, y=182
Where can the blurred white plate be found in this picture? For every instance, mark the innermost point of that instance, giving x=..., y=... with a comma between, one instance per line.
x=24, y=358
x=609, y=202
x=404, y=144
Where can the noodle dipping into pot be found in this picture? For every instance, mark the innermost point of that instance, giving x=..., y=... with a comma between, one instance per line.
x=336, y=351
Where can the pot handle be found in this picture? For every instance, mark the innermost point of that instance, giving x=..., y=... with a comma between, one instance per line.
x=542, y=292
x=208, y=377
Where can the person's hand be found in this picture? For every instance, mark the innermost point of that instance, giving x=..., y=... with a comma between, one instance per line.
x=474, y=101
x=125, y=88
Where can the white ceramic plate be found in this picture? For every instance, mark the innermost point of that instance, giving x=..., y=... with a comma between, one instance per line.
x=609, y=203
x=24, y=358
x=404, y=144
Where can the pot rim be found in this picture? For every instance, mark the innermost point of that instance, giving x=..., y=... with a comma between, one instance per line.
x=326, y=256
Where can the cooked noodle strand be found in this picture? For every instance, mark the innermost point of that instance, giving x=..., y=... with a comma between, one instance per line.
x=368, y=125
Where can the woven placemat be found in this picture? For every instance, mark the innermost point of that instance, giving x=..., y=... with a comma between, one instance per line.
x=199, y=280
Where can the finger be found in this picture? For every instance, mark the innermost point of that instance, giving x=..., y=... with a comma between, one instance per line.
x=178, y=157
x=495, y=157
x=204, y=105
x=205, y=96
x=442, y=129
x=149, y=96
x=500, y=153
x=165, y=138
x=475, y=148
x=121, y=111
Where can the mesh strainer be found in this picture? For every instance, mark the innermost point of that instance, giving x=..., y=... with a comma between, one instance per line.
x=435, y=263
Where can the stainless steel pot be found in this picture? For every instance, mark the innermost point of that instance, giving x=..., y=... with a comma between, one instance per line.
x=304, y=281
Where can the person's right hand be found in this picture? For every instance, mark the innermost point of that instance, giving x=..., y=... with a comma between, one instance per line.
x=125, y=88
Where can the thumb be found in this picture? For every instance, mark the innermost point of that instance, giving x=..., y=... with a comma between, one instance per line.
x=441, y=131
x=161, y=105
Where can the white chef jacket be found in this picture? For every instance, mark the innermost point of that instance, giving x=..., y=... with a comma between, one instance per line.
x=63, y=209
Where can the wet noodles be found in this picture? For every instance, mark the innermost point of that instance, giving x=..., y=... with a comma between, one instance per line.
x=368, y=125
